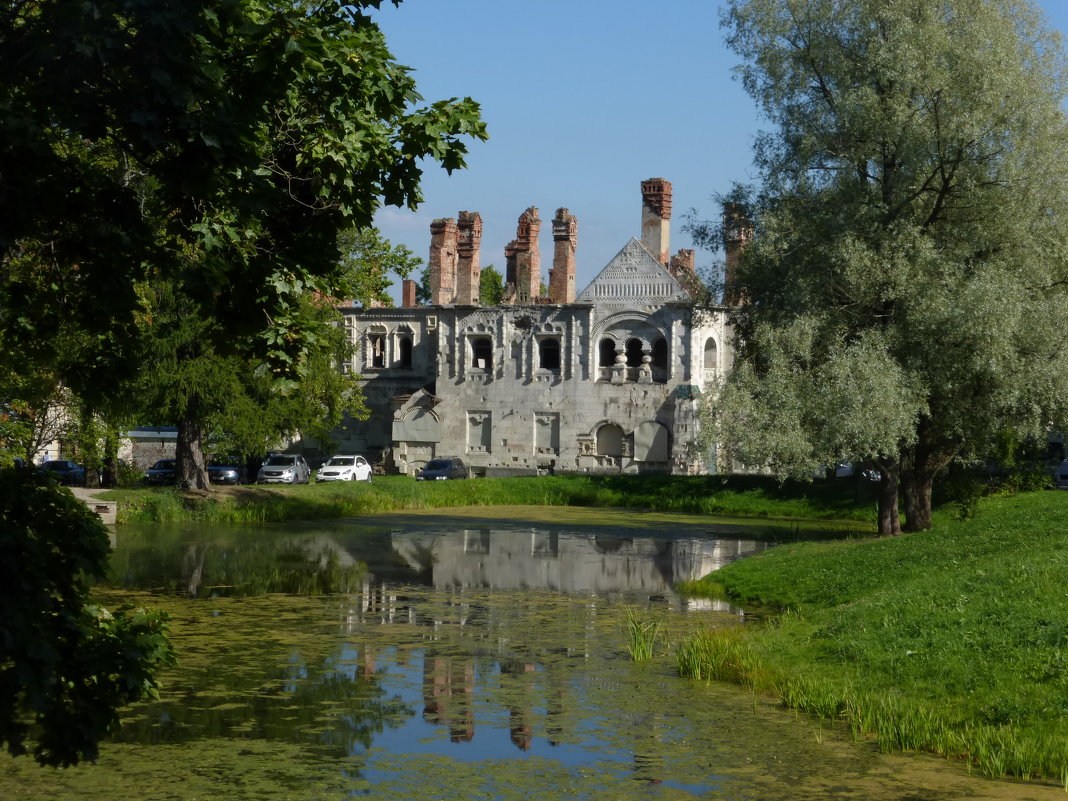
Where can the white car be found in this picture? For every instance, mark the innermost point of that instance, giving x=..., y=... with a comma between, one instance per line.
x=344, y=467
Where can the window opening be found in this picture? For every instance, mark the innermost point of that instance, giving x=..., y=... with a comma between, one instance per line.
x=549, y=354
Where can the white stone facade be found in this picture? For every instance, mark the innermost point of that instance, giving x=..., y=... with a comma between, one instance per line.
x=606, y=384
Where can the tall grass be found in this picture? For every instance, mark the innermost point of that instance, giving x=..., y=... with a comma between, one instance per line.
x=641, y=635
x=953, y=641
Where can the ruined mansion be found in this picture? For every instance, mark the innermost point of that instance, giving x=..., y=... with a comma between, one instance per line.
x=607, y=379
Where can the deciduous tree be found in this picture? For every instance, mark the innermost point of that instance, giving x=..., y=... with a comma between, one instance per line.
x=906, y=286
x=217, y=147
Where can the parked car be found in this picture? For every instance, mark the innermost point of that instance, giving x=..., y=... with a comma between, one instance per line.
x=227, y=471
x=1060, y=475
x=284, y=468
x=442, y=469
x=162, y=472
x=344, y=467
x=65, y=471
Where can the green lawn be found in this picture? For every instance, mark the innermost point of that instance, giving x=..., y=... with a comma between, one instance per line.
x=953, y=640
x=754, y=496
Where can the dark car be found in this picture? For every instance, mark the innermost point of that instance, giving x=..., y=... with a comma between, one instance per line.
x=162, y=472
x=442, y=470
x=227, y=471
x=66, y=471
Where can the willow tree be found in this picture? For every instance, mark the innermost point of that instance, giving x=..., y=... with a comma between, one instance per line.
x=905, y=290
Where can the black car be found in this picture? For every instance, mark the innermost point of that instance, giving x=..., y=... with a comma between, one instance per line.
x=442, y=470
x=66, y=471
x=227, y=471
x=162, y=472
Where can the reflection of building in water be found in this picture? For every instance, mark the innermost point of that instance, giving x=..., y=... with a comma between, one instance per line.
x=448, y=690
x=543, y=559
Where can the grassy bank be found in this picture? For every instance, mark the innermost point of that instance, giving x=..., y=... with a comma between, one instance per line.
x=953, y=640
x=754, y=496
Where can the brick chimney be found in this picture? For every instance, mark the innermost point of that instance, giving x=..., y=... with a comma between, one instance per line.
x=443, y=241
x=737, y=231
x=408, y=293
x=527, y=257
x=565, y=240
x=656, y=218
x=468, y=268
x=683, y=264
x=510, y=251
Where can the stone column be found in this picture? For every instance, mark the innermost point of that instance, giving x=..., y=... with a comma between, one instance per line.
x=656, y=218
x=565, y=241
x=443, y=242
x=468, y=268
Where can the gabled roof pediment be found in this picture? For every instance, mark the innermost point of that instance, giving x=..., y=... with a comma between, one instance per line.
x=633, y=278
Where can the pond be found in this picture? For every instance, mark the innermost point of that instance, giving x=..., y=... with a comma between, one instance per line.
x=478, y=655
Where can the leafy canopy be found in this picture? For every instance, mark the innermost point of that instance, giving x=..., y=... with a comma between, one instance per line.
x=223, y=144
x=907, y=275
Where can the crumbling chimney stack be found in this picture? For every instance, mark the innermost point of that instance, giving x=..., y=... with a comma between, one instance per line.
x=737, y=232
x=565, y=242
x=408, y=287
x=443, y=254
x=468, y=268
x=656, y=218
x=526, y=257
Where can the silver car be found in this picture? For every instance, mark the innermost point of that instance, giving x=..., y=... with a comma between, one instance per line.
x=284, y=468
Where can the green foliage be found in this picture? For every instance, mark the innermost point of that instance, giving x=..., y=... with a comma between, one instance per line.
x=903, y=289
x=950, y=640
x=67, y=664
x=367, y=260
x=223, y=144
x=490, y=286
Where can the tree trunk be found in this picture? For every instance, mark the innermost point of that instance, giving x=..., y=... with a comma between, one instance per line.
x=916, y=488
x=110, y=475
x=889, y=515
x=919, y=466
x=191, y=468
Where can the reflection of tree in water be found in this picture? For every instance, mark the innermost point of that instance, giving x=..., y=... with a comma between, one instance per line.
x=314, y=566
x=323, y=704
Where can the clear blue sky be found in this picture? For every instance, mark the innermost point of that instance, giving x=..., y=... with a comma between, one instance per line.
x=583, y=100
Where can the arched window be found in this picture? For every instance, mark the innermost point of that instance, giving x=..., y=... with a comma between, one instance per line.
x=482, y=353
x=606, y=353
x=634, y=352
x=404, y=351
x=711, y=354
x=377, y=345
x=660, y=360
x=610, y=441
x=549, y=353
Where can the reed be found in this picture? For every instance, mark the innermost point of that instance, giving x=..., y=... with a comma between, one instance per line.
x=641, y=635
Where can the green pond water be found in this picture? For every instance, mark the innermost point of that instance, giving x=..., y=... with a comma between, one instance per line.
x=457, y=657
